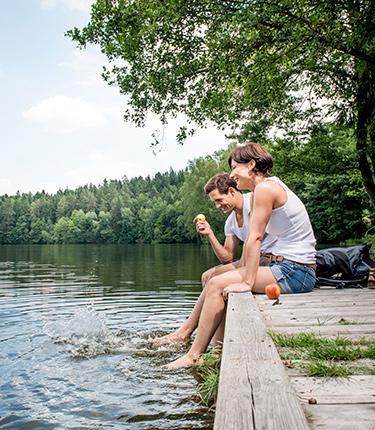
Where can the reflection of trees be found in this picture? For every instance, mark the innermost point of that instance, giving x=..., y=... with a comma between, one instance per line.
x=145, y=267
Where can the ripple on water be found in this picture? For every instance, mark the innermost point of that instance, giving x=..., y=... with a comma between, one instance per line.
x=77, y=354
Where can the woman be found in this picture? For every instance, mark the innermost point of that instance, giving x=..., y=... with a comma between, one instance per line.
x=276, y=211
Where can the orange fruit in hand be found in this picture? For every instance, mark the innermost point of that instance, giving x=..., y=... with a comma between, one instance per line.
x=273, y=291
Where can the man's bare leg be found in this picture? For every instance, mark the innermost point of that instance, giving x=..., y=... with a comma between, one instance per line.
x=218, y=337
x=183, y=333
x=213, y=311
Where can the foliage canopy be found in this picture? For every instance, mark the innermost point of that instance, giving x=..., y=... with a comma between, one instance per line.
x=246, y=64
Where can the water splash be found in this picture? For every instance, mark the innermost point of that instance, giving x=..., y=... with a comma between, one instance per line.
x=87, y=335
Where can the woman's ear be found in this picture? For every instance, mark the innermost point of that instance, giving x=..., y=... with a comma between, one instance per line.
x=251, y=166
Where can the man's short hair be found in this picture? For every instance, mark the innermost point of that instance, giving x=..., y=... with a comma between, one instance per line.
x=221, y=182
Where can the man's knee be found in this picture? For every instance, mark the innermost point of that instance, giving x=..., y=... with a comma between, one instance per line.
x=207, y=275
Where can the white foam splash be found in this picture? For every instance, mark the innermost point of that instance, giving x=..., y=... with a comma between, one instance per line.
x=86, y=334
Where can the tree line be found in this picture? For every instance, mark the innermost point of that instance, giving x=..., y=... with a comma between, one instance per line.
x=159, y=209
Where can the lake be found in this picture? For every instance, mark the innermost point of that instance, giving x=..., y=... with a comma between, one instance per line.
x=75, y=329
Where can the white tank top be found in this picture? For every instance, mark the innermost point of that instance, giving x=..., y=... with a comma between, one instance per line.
x=231, y=227
x=291, y=226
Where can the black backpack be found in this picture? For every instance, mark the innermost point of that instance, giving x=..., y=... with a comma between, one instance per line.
x=344, y=267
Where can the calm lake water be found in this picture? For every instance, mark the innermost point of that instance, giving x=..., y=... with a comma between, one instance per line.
x=75, y=329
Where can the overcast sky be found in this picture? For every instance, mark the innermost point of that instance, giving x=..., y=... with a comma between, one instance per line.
x=61, y=125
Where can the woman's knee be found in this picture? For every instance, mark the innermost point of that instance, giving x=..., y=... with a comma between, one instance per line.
x=213, y=286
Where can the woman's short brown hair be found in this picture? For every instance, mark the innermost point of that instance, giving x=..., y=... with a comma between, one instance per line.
x=221, y=182
x=253, y=151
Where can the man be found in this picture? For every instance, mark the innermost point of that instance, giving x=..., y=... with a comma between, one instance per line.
x=224, y=193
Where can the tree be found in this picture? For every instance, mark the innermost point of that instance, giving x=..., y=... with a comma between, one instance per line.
x=65, y=231
x=247, y=64
x=324, y=174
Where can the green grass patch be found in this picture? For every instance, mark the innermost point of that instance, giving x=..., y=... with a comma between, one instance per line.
x=208, y=371
x=326, y=369
x=314, y=355
x=319, y=356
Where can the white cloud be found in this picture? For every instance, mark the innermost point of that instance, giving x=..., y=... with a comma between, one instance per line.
x=100, y=166
x=81, y=5
x=65, y=114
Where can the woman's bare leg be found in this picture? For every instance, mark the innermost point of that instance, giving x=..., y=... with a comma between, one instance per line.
x=183, y=333
x=213, y=310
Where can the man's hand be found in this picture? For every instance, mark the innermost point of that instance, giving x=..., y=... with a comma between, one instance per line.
x=239, y=287
x=203, y=228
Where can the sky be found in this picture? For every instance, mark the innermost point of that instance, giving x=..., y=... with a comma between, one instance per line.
x=61, y=124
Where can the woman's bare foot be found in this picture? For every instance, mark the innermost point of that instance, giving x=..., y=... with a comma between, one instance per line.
x=170, y=338
x=188, y=360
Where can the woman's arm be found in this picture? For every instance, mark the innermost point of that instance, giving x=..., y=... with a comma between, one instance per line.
x=264, y=198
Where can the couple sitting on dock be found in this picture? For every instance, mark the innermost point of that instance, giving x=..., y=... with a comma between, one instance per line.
x=279, y=234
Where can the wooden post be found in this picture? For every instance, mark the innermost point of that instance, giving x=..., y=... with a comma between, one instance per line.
x=254, y=389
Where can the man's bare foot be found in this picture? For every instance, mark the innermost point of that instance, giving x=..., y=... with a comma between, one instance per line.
x=170, y=338
x=188, y=360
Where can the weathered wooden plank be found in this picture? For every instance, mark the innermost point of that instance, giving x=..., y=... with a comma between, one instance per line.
x=327, y=294
x=288, y=301
x=319, y=312
x=314, y=313
x=356, y=389
x=327, y=332
x=254, y=389
x=341, y=417
x=354, y=331
x=318, y=319
x=288, y=305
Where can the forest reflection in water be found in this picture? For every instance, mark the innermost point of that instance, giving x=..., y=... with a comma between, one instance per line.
x=76, y=323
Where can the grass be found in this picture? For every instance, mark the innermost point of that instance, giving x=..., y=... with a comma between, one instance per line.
x=312, y=354
x=208, y=371
x=326, y=369
x=318, y=356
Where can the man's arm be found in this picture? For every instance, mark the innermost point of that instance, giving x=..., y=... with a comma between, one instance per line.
x=225, y=253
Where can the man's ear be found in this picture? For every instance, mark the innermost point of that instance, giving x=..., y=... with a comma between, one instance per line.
x=232, y=191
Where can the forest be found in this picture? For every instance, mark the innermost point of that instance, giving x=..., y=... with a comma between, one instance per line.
x=323, y=171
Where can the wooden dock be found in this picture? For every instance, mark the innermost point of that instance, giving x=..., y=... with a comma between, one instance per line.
x=256, y=391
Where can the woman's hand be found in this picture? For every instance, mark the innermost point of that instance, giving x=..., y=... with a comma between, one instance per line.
x=239, y=287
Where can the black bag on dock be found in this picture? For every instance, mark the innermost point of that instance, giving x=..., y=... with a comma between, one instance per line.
x=344, y=267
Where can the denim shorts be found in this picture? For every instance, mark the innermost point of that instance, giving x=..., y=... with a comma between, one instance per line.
x=293, y=277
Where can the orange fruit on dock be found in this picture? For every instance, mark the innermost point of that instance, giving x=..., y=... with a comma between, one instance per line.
x=273, y=291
